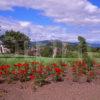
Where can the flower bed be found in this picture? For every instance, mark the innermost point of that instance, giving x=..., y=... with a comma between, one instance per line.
x=42, y=74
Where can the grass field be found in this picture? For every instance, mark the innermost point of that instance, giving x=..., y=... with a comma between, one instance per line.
x=12, y=59
x=45, y=60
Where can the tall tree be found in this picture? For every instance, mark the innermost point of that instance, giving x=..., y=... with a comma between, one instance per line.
x=15, y=40
x=83, y=49
x=82, y=46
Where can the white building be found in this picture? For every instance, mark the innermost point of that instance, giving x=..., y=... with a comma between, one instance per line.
x=3, y=49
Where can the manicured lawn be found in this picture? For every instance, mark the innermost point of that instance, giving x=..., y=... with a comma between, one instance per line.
x=12, y=59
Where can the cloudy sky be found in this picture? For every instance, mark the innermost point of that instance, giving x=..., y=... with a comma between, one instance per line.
x=52, y=19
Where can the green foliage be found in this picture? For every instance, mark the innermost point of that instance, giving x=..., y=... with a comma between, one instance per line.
x=82, y=46
x=83, y=49
x=13, y=40
x=71, y=48
x=89, y=62
x=47, y=51
x=71, y=55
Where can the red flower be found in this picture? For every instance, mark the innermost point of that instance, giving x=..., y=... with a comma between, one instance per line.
x=64, y=65
x=60, y=79
x=32, y=77
x=4, y=67
x=0, y=73
x=18, y=65
x=91, y=73
x=40, y=71
x=25, y=64
x=6, y=72
x=83, y=65
x=14, y=72
x=0, y=67
x=48, y=68
x=58, y=70
x=55, y=65
x=40, y=67
x=34, y=62
x=33, y=71
x=22, y=71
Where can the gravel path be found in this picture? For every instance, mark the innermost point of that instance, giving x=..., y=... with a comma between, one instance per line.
x=54, y=91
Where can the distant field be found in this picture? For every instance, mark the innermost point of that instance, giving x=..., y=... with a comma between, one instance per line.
x=46, y=60
x=12, y=59
x=94, y=54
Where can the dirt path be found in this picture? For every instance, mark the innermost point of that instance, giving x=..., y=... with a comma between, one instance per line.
x=55, y=91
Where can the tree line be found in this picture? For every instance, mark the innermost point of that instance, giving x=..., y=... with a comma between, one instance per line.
x=19, y=43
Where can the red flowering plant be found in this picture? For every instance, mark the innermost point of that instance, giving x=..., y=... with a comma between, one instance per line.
x=58, y=74
x=90, y=76
x=36, y=70
x=59, y=71
x=20, y=71
x=4, y=71
x=41, y=75
x=14, y=75
x=81, y=69
x=32, y=77
x=64, y=67
x=35, y=64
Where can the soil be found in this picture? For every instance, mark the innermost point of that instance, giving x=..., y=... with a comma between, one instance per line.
x=66, y=90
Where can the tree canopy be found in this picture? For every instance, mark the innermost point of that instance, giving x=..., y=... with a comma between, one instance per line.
x=13, y=40
x=82, y=45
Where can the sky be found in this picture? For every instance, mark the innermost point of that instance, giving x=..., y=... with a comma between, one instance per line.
x=52, y=19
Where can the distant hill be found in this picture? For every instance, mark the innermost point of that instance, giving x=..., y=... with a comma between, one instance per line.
x=94, y=45
x=41, y=42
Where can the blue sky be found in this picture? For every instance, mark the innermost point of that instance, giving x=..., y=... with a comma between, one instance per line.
x=52, y=19
x=32, y=15
x=95, y=2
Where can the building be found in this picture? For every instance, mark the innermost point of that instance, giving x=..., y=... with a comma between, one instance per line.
x=3, y=49
x=34, y=51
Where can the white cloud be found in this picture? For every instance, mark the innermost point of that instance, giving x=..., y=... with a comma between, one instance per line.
x=65, y=11
x=40, y=32
x=24, y=23
x=78, y=12
x=35, y=32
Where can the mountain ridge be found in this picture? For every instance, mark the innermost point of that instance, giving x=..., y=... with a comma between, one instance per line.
x=44, y=42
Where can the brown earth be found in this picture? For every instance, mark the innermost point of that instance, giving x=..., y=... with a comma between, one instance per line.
x=65, y=90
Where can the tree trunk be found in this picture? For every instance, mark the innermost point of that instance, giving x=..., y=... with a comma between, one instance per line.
x=54, y=52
